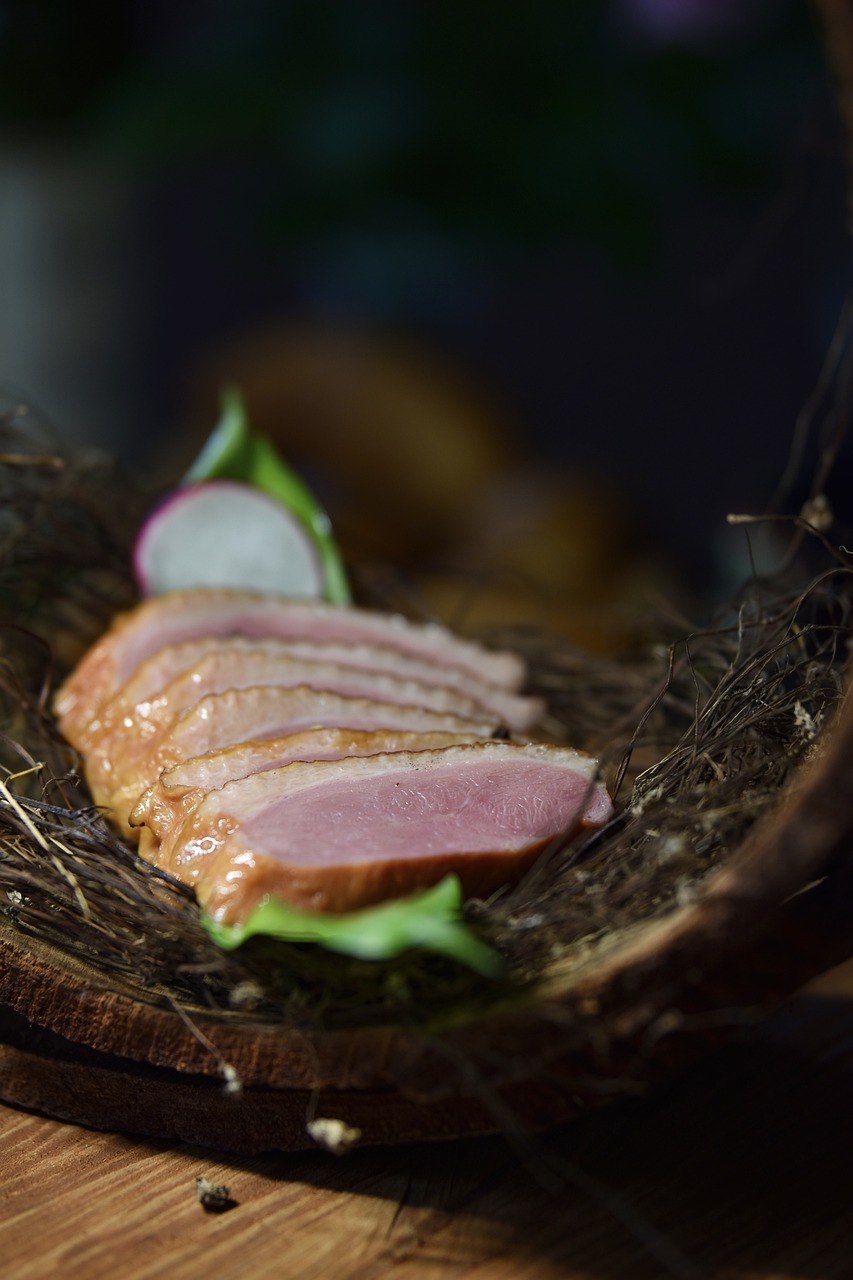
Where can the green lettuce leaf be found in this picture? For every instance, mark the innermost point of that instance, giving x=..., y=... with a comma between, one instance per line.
x=431, y=919
x=233, y=452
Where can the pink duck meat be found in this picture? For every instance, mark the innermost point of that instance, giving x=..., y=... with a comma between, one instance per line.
x=165, y=806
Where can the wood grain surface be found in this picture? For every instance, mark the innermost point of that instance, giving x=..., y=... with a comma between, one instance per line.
x=740, y=1168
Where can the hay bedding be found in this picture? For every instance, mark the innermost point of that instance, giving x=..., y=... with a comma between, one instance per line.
x=703, y=902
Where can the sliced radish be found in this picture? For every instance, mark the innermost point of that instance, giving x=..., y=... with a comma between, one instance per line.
x=233, y=452
x=223, y=533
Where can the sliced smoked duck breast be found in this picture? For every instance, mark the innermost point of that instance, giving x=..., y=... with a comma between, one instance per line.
x=182, y=615
x=265, y=711
x=165, y=806
x=519, y=712
x=241, y=665
x=334, y=836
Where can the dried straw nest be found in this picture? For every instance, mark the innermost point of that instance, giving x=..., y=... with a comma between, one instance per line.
x=713, y=893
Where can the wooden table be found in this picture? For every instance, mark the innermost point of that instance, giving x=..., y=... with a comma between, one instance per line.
x=741, y=1167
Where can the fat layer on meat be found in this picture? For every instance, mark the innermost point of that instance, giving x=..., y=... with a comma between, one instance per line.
x=182, y=615
x=165, y=806
x=338, y=835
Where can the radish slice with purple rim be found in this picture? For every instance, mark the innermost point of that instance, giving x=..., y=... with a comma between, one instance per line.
x=234, y=452
x=225, y=533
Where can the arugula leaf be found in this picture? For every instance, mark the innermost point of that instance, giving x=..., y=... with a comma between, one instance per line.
x=233, y=452
x=431, y=919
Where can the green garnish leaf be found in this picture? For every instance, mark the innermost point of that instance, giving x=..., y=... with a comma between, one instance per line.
x=430, y=919
x=227, y=451
x=233, y=452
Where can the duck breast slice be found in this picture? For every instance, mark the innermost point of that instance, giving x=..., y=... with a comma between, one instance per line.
x=518, y=712
x=244, y=663
x=181, y=615
x=263, y=711
x=162, y=809
x=149, y=679
x=338, y=835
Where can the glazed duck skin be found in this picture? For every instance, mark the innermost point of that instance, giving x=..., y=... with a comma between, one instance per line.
x=183, y=615
x=334, y=836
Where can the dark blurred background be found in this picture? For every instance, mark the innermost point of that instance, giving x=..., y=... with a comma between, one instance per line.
x=613, y=232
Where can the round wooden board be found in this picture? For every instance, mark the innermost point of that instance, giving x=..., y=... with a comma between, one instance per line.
x=42, y=1072
x=46, y=1070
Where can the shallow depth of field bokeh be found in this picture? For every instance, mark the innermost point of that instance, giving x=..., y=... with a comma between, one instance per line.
x=556, y=277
